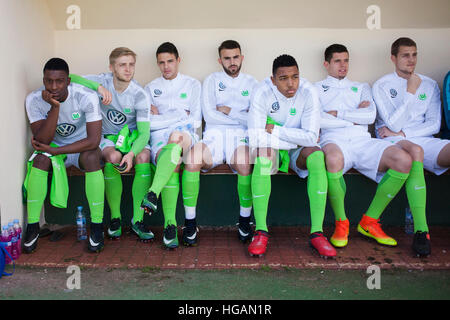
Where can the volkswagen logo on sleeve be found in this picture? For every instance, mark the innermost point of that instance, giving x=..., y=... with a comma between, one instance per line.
x=65, y=129
x=393, y=93
x=116, y=117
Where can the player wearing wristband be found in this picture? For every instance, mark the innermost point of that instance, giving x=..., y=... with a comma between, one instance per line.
x=285, y=114
x=126, y=131
x=409, y=114
x=68, y=116
x=175, y=116
x=347, y=110
x=225, y=102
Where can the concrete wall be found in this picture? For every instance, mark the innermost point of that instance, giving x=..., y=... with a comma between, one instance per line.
x=369, y=50
x=27, y=37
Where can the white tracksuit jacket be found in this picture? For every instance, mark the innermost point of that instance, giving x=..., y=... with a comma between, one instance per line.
x=219, y=89
x=344, y=96
x=299, y=117
x=417, y=115
x=173, y=98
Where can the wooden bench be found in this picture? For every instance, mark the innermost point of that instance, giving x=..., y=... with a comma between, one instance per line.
x=221, y=170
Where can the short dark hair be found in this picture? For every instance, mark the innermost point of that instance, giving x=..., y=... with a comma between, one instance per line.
x=284, y=60
x=334, y=48
x=407, y=42
x=229, y=44
x=56, y=64
x=167, y=47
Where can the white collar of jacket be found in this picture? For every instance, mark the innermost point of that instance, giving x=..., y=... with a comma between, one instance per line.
x=230, y=78
x=336, y=83
x=175, y=80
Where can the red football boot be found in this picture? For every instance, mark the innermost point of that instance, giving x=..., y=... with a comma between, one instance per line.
x=258, y=245
x=321, y=244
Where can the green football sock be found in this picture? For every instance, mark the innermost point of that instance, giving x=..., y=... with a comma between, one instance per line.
x=261, y=188
x=37, y=191
x=169, y=197
x=317, y=189
x=417, y=196
x=113, y=189
x=141, y=183
x=191, y=186
x=387, y=189
x=244, y=187
x=336, y=194
x=95, y=194
x=167, y=162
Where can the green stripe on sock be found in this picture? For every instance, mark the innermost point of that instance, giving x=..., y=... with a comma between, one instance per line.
x=37, y=191
x=244, y=187
x=190, y=187
x=417, y=196
x=167, y=162
x=336, y=194
x=141, y=183
x=261, y=188
x=113, y=189
x=95, y=194
x=387, y=189
x=317, y=189
x=169, y=197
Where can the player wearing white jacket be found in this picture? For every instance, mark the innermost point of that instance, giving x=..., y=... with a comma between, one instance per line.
x=347, y=110
x=284, y=121
x=409, y=113
x=175, y=114
x=225, y=103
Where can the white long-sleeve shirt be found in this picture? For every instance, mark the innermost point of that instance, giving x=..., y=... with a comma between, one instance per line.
x=344, y=96
x=417, y=115
x=173, y=98
x=299, y=117
x=219, y=89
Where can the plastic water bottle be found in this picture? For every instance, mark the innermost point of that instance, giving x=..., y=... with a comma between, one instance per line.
x=18, y=229
x=6, y=238
x=409, y=223
x=81, y=224
x=14, y=243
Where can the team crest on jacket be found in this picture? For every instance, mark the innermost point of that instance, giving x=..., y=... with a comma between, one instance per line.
x=325, y=88
x=65, y=129
x=157, y=93
x=393, y=93
x=222, y=87
x=275, y=107
x=116, y=117
x=75, y=116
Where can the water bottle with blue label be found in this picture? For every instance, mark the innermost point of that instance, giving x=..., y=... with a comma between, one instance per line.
x=409, y=222
x=81, y=224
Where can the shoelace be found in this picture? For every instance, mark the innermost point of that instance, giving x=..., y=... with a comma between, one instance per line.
x=141, y=226
x=341, y=228
x=169, y=232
